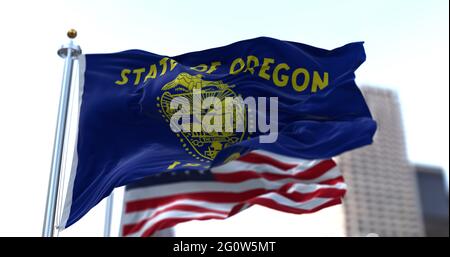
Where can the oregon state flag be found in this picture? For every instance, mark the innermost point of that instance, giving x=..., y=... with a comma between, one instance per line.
x=130, y=100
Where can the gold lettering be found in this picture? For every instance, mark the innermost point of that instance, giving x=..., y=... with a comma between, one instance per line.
x=318, y=82
x=173, y=165
x=151, y=73
x=252, y=59
x=173, y=63
x=138, y=73
x=200, y=68
x=191, y=165
x=213, y=67
x=123, y=74
x=265, y=67
x=300, y=88
x=233, y=69
x=284, y=78
x=163, y=63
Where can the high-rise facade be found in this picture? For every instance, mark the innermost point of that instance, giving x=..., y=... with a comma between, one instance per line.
x=382, y=197
x=434, y=200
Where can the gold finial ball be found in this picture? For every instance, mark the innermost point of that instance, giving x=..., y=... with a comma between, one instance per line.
x=72, y=33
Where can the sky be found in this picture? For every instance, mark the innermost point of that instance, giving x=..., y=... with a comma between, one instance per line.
x=406, y=43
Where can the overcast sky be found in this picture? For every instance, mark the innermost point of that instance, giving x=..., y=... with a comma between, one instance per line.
x=407, y=50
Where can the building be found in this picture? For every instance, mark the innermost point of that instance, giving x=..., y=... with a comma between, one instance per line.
x=382, y=197
x=433, y=199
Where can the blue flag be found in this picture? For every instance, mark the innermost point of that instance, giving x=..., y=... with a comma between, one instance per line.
x=126, y=124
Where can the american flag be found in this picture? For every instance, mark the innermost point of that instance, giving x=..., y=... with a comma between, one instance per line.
x=279, y=182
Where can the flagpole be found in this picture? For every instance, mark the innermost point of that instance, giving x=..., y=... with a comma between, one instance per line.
x=108, y=215
x=69, y=52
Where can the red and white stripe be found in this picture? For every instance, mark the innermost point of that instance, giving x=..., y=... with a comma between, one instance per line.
x=279, y=182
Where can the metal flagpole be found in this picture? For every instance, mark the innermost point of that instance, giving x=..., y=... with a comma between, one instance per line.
x=108, y=215
x=69, y=52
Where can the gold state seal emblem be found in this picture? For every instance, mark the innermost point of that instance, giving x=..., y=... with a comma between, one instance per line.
x=202, y=145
